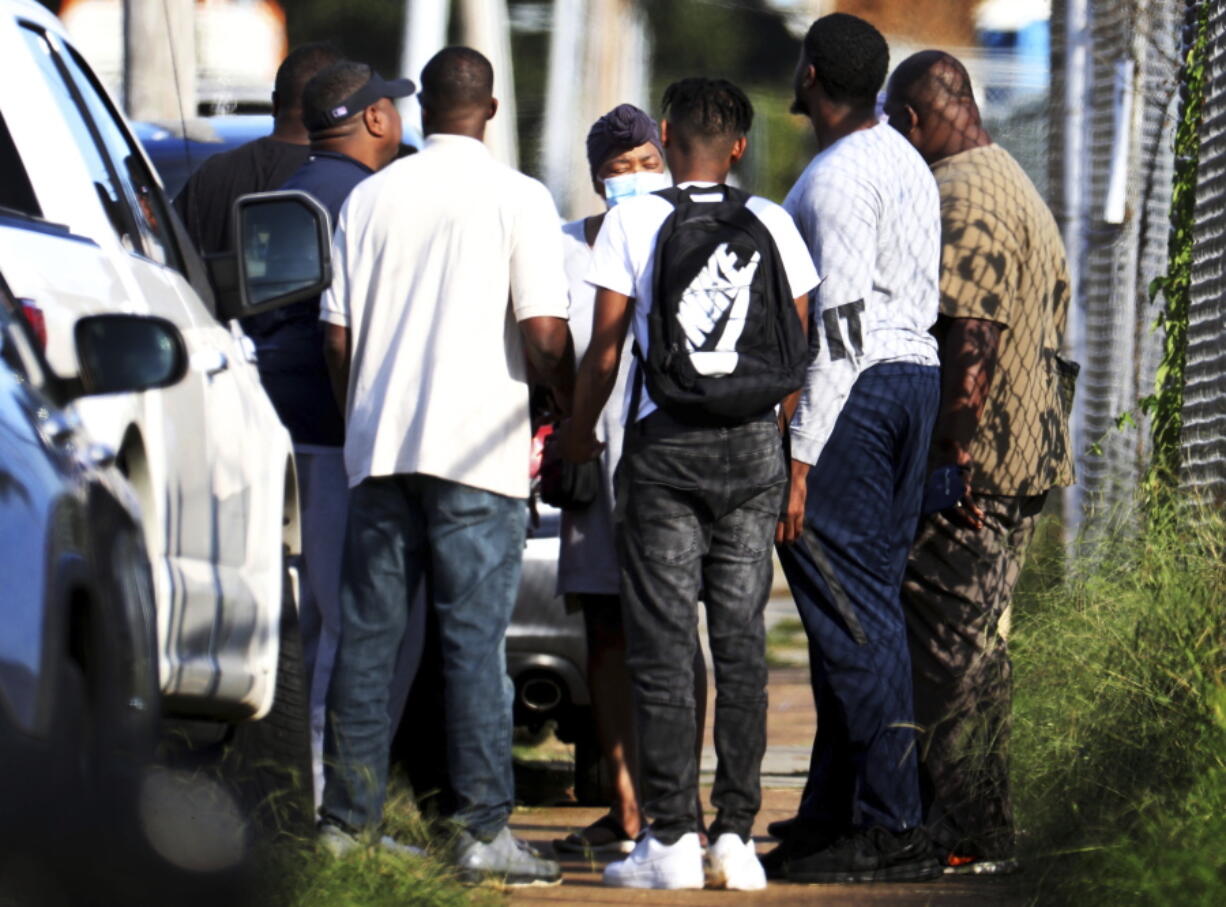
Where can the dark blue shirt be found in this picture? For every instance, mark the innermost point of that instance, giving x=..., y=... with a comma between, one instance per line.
x=290, y=340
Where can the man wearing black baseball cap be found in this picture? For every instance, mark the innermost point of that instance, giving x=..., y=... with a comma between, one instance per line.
x=355, y=130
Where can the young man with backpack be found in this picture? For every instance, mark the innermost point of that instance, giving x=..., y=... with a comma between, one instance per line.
x=715, y=283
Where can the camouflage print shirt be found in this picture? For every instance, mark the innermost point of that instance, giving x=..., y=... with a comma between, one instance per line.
x=1002, y=259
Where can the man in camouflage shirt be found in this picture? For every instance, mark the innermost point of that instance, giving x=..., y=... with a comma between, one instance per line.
x=1003, y=424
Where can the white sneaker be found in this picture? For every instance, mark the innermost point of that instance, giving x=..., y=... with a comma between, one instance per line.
x=733, y=864
x=655, y=865
x=340, y=843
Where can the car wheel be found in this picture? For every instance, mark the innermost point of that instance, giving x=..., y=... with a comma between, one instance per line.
x=270, y=760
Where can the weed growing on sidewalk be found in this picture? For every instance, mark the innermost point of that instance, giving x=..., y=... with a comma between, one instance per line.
x=1119, y=751
x=302, y=874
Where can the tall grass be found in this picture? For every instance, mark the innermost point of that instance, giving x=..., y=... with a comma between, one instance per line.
x=1119, y=740
x=302, y=874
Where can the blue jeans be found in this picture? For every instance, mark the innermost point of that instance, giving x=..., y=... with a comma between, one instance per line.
x=863, y=504
x=471, y=542
x=697, y=509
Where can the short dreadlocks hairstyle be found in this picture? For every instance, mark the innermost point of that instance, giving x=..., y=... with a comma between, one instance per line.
x=849, y=56
x=707, y=108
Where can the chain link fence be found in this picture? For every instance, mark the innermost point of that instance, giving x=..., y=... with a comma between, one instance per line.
x=1114, y=201
x=1204, y=412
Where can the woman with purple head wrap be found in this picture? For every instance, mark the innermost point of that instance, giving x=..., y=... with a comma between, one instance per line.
x=625, y=158
x=623, y=129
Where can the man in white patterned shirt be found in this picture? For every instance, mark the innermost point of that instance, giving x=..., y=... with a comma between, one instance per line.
x=868, y=209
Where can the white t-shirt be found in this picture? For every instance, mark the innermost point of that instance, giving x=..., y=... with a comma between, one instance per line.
x=868, y=209
x=623, y=259
x=587, y=561
x=435, y=259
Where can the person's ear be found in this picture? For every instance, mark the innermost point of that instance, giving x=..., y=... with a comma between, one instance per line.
x=738, y=149
x=664, y=133
x=808, y=77
x=493, y=109
x=598, y=185
x=375, y=121
x=276, y=105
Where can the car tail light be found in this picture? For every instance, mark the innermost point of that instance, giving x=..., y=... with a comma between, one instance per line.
x=37, y=322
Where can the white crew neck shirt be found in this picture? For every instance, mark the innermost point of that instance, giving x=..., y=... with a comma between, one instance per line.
x=623, y=260
x=435, y=260
x=869, y=210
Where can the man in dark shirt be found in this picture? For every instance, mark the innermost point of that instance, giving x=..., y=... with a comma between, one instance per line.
x=206, y=201
x=354, y=130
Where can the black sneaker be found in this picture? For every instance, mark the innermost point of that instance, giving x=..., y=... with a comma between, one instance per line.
x=775, y=861
x=800, y=843
x=783, y=828
x=875, y=855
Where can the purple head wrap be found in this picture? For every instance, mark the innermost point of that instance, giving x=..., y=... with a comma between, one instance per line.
x=621, y=129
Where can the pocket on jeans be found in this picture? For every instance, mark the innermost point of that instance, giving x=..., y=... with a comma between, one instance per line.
x=754, y=523
x=659, y=523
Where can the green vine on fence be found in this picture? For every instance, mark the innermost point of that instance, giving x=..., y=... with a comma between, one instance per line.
x=1165, y=405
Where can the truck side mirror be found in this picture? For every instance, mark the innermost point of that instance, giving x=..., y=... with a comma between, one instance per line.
x=126, y=353
x=284, y=254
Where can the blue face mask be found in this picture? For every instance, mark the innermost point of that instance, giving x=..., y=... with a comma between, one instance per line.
x=619, y=188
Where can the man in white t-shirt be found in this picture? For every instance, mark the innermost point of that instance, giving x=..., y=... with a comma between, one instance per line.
x=434, y=358
x=697, y=506
x=868, y=209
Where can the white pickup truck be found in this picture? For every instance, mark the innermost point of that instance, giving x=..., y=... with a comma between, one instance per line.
x=85, y=228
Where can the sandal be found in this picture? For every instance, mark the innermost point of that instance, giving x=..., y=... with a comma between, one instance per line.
x=604, y=836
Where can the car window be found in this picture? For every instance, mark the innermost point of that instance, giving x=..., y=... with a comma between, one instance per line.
x=16, y=193
x=150, y=203
x=119, y=176
x=109, y=192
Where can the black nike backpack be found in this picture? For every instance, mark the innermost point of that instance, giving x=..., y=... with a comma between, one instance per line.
x=725, y=343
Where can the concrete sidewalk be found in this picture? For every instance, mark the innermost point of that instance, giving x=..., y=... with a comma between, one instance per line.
x=790, y=728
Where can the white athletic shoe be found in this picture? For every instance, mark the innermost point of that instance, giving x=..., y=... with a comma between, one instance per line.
x=733, y=864
x=655, y=865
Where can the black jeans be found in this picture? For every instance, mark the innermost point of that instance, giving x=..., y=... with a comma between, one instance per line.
x=696, y=514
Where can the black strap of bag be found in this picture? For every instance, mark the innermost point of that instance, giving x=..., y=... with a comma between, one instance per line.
x=636, y=393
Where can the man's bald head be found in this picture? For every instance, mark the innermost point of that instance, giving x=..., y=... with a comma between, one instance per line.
x=457, y=91
x=930, y=75
x=930, y=100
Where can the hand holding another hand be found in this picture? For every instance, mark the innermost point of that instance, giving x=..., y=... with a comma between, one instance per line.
x=574, y=447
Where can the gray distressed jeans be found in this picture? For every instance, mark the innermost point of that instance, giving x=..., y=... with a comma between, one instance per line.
x=696, y=515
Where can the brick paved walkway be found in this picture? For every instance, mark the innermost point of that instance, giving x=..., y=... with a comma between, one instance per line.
x=790, y=733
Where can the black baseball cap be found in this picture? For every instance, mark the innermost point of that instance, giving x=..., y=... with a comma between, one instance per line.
x=375, y=88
